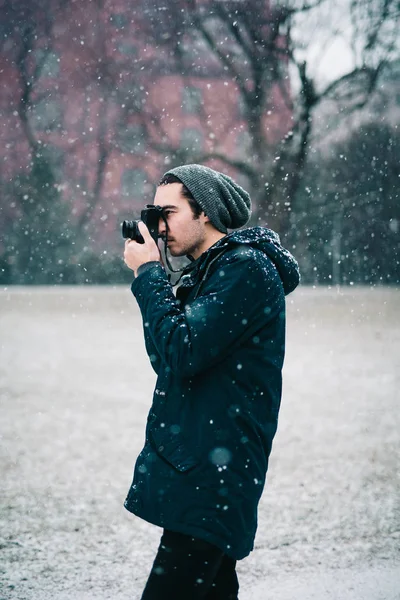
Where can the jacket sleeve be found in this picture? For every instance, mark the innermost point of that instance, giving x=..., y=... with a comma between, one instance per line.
x=236, y=299
x=152, y=353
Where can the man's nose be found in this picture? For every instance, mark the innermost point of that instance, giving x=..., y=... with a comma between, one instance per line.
x=161, y=226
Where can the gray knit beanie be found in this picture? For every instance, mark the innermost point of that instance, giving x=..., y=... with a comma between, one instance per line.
x=226, y=204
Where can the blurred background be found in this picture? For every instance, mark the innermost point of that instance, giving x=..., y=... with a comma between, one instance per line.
x=299, y=101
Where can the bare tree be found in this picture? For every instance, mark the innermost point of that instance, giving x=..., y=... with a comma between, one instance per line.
x=34, y=202
x=33, y=30
x=102, y=79
x=27, y=46
x=253, y=45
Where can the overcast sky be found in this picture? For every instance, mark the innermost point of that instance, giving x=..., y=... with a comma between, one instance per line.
x=326, y=35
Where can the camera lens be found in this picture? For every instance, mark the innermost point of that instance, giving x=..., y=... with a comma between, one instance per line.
x=130, y=230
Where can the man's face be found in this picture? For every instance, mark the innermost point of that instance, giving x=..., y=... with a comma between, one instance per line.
x=187, y=234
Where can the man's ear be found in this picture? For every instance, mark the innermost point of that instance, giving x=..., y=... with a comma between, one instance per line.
x=205, y=218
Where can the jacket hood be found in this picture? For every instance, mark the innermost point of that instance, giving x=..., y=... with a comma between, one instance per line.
x=268, y=242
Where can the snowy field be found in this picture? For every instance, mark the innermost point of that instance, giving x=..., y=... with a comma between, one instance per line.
x=75, y=388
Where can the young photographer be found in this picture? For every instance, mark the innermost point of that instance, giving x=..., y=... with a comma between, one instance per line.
x=217, y=346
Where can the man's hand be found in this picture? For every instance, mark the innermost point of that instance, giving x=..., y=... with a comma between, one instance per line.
x=138, y=254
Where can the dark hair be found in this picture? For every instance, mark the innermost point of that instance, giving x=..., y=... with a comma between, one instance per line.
x=194, y=205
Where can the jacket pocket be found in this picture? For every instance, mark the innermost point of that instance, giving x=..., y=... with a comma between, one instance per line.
x=172, y=449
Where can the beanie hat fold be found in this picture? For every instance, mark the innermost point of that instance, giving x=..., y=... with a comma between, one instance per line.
x=226, y=204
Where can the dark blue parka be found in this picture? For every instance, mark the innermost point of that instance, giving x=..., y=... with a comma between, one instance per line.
x=218, y=350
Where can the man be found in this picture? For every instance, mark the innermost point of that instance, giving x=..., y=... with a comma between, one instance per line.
x=217, y=348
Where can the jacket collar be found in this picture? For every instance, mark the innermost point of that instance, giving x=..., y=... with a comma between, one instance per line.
x=260, y=238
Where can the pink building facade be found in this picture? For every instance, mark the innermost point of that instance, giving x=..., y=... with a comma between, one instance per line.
x=112, y=110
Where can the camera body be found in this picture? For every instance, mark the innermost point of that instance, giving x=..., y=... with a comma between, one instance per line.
x=151, y=217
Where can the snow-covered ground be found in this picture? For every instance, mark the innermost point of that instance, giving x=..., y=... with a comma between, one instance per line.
x=75, y=388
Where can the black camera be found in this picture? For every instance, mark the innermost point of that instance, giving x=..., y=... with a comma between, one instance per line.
x=151, y=217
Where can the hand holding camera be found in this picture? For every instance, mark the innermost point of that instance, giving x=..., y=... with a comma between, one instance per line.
x=139, y=252
x=150, y=220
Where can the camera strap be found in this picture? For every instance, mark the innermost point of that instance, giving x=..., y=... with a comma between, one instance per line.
x=166, y=247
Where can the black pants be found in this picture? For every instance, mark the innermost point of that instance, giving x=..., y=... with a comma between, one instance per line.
x=186, y=568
